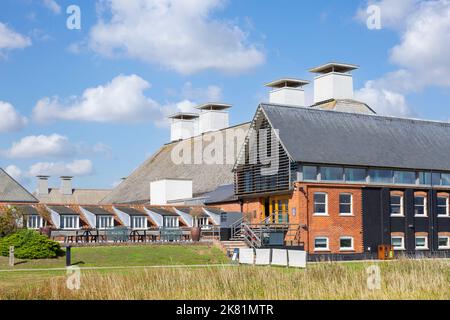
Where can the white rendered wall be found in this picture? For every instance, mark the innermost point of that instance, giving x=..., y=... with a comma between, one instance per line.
x=333, y=86
x=187, y=218
x=213, y=121
x=56, y=218
x=157, y=218
x=163, y=191
x=288, y=96
x=91, y=218
x=125, y=218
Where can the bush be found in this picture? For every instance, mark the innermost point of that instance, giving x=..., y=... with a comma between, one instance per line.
x=29, y=244
x=9, y=221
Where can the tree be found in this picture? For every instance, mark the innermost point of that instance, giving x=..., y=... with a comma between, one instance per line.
x=10, y=221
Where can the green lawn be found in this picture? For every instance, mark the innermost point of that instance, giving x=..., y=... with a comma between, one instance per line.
x=128, y=256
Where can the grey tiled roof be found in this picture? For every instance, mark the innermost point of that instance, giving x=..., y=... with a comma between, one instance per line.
x=206, y=177
x=131, y=211
x=12, y=191
x=312, y=135
x=62, y=210
x=163, y=212
x=222, y=194
x=97, y=211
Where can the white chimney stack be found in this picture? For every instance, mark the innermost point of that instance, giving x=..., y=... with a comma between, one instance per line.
x=288, y=91
x=334, y=81
x=213, y=117
x=43, y=185
x=184, y=126
x=66, y=185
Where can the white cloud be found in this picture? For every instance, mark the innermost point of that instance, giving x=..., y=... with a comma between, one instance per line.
x=9, y=39
x=54, y=145
x=421, y=56
x=52, y=5
x=121, y=100
x=10, y=119
x=180, y=35
x=76, y=168
x=383, y=101
x=17, y=174
x=210, y=94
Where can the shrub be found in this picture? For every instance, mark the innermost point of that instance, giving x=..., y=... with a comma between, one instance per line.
x=29, y=244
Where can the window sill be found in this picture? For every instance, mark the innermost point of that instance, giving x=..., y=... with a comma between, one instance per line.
x=444, y=248
x=420, y=216
x=346, y=215
x=346, y=250
x=321, y=215
x=397, y=216
x=322, y=250
x=443, y=216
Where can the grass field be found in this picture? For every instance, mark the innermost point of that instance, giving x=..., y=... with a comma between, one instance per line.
x=400, y=279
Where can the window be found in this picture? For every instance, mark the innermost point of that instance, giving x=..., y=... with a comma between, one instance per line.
x=171, y=222
x=203, y=221
x=105, y=222
x=309, y=173
x=445, y=179
x=346, y=244
x=380, y=176
x=138, y=223
x=320, y=204
x=420, y=206
x=321, y=244
x=70, y=222
x=355, y=175
x=436, y=179
x=421, y=242
x=442, y=206
x=424, y=178
x=345, y=204
x=331, y=174
x=398, y=242
x=404, y=177
x=34, y=222
x=396, y=206
x=444, y=242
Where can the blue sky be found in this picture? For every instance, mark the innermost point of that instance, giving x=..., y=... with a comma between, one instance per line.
x=154, y=57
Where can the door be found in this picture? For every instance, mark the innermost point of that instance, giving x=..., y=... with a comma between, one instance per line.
x=279, y=208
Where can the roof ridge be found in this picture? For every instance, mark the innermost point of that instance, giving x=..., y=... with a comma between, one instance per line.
x=310, y=108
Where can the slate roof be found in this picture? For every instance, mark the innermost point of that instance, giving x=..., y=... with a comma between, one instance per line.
x=222, y=194
x=98, y=211
x=12, y=191
x=62, y=210
x=206, y=177
x=131, y=211
x=329, y=137
x=28, y=210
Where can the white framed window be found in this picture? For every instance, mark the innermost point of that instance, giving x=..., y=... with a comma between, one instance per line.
x=396, y=205
x=421, y=242
x=171, y=222
x=70, y=222
x=203, y=222
x=34, y=222
x=346, y=204
x=139, y=223
x=105, y=222
x=346, y=244
x=442, y=206
x=320, y=204
x=420, y=206
x=398, y=242
x=321, y=244
x=444, y=242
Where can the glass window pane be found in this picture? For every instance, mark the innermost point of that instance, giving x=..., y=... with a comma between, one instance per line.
x=332, y=174
x=419, y=211
x=321, y=243
x=396, y=200
x=345, y=208
x=345, y=198
x=405, y=177
x=419, y=201
x=397, y=242
x=445, y=179
x=346, y=243
x=355, y=175
x=309, y=173
x=421, y=242
x=425, y=178
x=319, y=208
x=380, y=176
x=319, y=198
x=442, y=201
x=436, y=179
x=443, y=242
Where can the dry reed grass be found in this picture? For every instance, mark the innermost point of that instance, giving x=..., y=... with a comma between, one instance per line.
x=400, y=280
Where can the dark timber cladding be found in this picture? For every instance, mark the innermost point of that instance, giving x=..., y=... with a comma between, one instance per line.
x=378, y=224
x=249, y=178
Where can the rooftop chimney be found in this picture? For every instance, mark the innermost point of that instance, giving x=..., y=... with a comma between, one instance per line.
x=66, y=186
x=334, y=81
x=288, y=91
x=184, y=126
x=213, y=117
x=43, y=185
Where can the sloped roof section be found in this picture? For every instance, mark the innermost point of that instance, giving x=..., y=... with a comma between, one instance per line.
x=12, y=191
x=206, y=177
x=79, y=196
x=329, y=137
